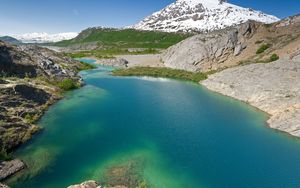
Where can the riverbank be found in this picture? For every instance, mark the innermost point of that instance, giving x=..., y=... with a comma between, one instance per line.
x=273, y=88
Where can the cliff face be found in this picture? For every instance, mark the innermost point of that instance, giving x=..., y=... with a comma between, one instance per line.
x=205, y=52
x=28, y=85
x=235, y=46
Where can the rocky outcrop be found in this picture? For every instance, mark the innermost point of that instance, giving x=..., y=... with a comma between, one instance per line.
x=20, y=106
x=211, y=51
x=3, y=186
x=29, y=75
x=8, y=168
x=28, y=85
x=87, y=184
x=235, y=46
x=273, y=88
x=33, y=61
x=115, y=62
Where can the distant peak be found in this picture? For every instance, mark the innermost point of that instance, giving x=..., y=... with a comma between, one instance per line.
x=204, y=2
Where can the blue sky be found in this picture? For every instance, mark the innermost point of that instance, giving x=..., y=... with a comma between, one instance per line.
x=54, y=16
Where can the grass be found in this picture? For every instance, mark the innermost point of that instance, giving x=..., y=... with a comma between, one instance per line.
x=29, y=118
x=125, y=38
x=263, y=48
x=4, y=155
x=85, y=66
x=68, y=84
x=161, y=72
x=110, y=53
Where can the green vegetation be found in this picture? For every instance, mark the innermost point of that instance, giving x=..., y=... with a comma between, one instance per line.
x=274, y=57
x=4, y=155
x=68, y=84
x=85, y=66
x=125, y=38
x=30, y=118
x=161, y=72
x=263, y=48
x=109, y=53
x=142, y=185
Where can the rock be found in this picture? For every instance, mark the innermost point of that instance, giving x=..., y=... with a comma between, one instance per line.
x=296, y=58
x=8, y=168
x=3, y=186
x=273, y=88
x=87, y=184
x=33, y=61
x=232, y=46
x=116, y=62
x=23, y=98
x=205, y=52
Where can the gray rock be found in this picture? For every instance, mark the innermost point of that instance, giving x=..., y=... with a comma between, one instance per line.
x=115, y=62
x=8, y=168
x=296, y=58
x=205, y=52
x=273, y=88
x=87, y=184
x=3, y=186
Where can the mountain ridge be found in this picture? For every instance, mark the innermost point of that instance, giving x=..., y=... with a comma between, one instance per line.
x=200, y=16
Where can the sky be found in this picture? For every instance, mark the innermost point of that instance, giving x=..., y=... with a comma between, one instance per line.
x=56, y=16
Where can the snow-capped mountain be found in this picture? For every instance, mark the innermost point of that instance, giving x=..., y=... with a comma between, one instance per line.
x=201, y=16
x=44, y=37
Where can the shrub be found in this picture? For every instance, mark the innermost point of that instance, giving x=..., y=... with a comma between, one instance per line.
x=4, y=156
x=274, y=57
x=29, y=118
x=85, y=66
x=263, y=48
x=67, y=84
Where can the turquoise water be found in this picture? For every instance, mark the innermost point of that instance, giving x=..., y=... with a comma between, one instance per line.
x=185, y=135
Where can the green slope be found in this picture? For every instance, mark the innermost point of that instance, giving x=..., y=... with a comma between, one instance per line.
x=125, y=38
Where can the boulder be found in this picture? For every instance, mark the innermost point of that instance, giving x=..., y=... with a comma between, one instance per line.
x=8, y=168
x=87, y=184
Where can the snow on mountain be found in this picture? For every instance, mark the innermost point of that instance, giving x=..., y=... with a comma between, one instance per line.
x=201, y=16
x=44, y=37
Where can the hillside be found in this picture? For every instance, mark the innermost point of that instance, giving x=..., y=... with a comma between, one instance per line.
x=200, y=16
x=251, y=42
x=31, y=78
x=10, y=40
x=107, y=38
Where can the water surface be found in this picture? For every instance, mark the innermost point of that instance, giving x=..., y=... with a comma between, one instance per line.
x=185, y=135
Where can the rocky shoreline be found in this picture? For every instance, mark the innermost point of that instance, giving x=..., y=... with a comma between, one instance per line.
x=31, y=79
x=273, y=88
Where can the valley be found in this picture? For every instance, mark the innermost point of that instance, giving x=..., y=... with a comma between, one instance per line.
x=139, y=104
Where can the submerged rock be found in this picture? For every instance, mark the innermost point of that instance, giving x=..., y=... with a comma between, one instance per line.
x=87, y=184
x=8, y=168
x=3, y=186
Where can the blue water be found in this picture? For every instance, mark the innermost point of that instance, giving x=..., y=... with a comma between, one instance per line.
x=185, y=135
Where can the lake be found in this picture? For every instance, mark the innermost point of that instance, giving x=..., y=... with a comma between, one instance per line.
x=168, y=133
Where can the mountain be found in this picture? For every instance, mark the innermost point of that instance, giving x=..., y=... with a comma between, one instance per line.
x=247, y=43
x=44, y=37
x=200, y=16
x=10, y=40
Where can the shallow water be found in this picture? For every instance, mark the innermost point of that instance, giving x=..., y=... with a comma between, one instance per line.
x=184, y=135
